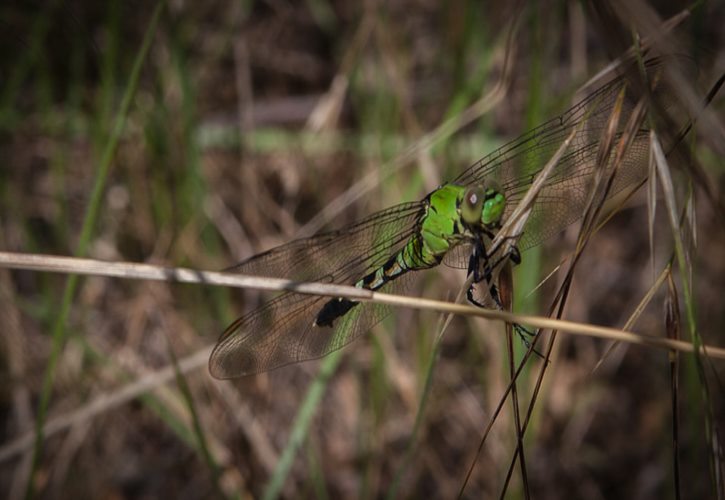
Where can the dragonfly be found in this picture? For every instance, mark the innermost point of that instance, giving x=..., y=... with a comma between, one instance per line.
x=450, y=225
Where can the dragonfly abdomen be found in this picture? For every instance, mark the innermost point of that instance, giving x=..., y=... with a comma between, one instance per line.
x=411, y=258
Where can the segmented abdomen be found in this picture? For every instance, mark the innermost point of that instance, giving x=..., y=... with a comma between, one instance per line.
x=412, y=257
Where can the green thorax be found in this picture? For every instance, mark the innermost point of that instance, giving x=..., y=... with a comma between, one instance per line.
x=452, y=214
x=456, y=213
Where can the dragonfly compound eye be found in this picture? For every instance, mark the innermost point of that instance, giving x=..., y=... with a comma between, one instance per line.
x=493, y=205
x=472, y=205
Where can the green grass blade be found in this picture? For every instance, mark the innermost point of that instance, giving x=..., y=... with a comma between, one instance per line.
x=201, y=440
x=302, y=422
x=59, y=329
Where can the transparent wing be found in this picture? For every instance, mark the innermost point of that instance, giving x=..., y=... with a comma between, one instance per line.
x=458, y=256
x=342, y=256
x=563, y=200
x=514, y=166
x=282, y=331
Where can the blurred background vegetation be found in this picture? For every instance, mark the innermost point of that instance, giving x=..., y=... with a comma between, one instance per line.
x=250, y=123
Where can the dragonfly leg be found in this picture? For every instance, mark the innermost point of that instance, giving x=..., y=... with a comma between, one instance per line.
x=480, y=272
x=515, y=255
x=512, y=253
x=481, y=269
x=472, y=299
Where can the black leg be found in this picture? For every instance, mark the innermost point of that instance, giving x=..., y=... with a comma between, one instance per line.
x=512, y=254
x=472, y=299
x=515, y=255
x=474, y=268
x=477, y=263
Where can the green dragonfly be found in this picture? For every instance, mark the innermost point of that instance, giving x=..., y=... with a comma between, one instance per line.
x=450, y=225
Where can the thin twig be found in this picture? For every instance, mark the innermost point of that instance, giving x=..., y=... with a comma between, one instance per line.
x=36, y=262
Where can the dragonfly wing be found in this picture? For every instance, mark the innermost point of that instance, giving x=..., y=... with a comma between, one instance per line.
x=342, y=256
x=563, y=199
x=283, y=330
x=458, y=256
x=561, y=202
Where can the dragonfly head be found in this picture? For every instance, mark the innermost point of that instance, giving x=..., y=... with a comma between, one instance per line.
x=483, y=205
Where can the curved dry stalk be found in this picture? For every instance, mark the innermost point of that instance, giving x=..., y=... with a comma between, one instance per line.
x=127, y=270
